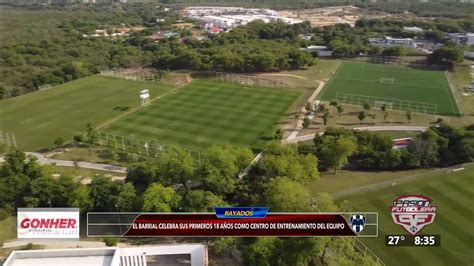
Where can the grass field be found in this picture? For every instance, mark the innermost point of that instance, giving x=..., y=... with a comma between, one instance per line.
x=8, y=231
x=206, y=112
x=38, y=118
x=452, y=193
x=421, y=86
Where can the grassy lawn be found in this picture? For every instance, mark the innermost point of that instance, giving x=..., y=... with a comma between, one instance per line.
x=8, y=229
x=452, y=193
x=345, y=180
x=422, y=86
x=38, y=118
x=206, y=112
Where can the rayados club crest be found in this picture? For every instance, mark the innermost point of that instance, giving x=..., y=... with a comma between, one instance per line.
x=413, y=212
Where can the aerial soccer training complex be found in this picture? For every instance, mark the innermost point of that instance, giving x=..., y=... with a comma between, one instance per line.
x=397, y=87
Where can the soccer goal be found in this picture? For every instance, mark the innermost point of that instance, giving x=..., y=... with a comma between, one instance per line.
x=387, y=80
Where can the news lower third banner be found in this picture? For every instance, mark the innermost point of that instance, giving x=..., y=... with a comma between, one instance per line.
x=234, y=221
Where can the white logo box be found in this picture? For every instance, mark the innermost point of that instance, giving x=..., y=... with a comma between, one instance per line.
x=48, y=223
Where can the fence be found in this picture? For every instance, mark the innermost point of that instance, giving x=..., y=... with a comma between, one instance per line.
x=365, y=250
x=244, y=80
x=8, y=139
x=395, y=104
x=133, y=75
x=133, y=144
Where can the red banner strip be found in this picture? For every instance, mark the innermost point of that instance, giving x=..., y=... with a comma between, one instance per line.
x=210, y=225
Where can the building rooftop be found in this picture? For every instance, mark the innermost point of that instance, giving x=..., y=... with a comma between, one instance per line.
x=184, y=254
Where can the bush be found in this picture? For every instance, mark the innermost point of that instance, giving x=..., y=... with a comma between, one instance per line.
x=78, y=138
x=111, y=241
x=28, y=246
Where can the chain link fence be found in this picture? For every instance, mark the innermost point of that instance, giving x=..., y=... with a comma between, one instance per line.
x=151, y=147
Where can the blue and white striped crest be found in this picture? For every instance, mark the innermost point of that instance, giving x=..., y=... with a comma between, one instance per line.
x=357, y=222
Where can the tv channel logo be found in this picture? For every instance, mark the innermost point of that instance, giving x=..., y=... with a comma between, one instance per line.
x=413, y=212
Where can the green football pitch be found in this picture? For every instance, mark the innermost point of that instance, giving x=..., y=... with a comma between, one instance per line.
x=206, y=112
x=37, y=118
x=400, y=87
x=452, y=194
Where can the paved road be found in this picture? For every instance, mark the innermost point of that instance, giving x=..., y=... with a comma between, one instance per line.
x=95, y=166
x=392, y=128
x=311, y=99
x=297, y=139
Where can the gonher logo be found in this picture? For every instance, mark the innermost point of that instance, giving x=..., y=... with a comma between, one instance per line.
x=357, y=222
x=413, y=212
x=48, y=223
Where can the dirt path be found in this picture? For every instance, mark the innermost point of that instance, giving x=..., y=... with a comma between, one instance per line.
x=282, y=75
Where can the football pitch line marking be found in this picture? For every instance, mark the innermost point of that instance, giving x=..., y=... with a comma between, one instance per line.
x=395, y=84
x=325, y=88
x=136, y=109
x=450, y=94
x=393, y=183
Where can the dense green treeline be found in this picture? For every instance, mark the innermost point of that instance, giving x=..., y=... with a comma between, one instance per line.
x=440, y=146
x=178, y=182
x=255, y=47
x=49, y=47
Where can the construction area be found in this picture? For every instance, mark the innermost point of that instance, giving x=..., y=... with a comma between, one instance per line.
x=327, y=16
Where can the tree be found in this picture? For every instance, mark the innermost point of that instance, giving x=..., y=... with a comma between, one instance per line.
x=394, y=51
x=80, y=198
x=158, y=198
x=44, y=189
x=385, y=116
x=278, y=135
x=367, y=106
x=284, y=160
x=127, y=197
x=408, y=115
x=58, y=142
x=141, y=176
x=335, y=150
x=224, y=243
x=201, y=201
x=383, y=108
x=447, y=55
x=220, y=168
x=333, y=104
x=90, y=132
x=321, y=107
x=261, y=252
x=308, y=106
x=177, y=166
x=325, y=118
x=306, y=122
x=340, y=109
x=283, y=194
x=361, y=116
x=103, y=193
